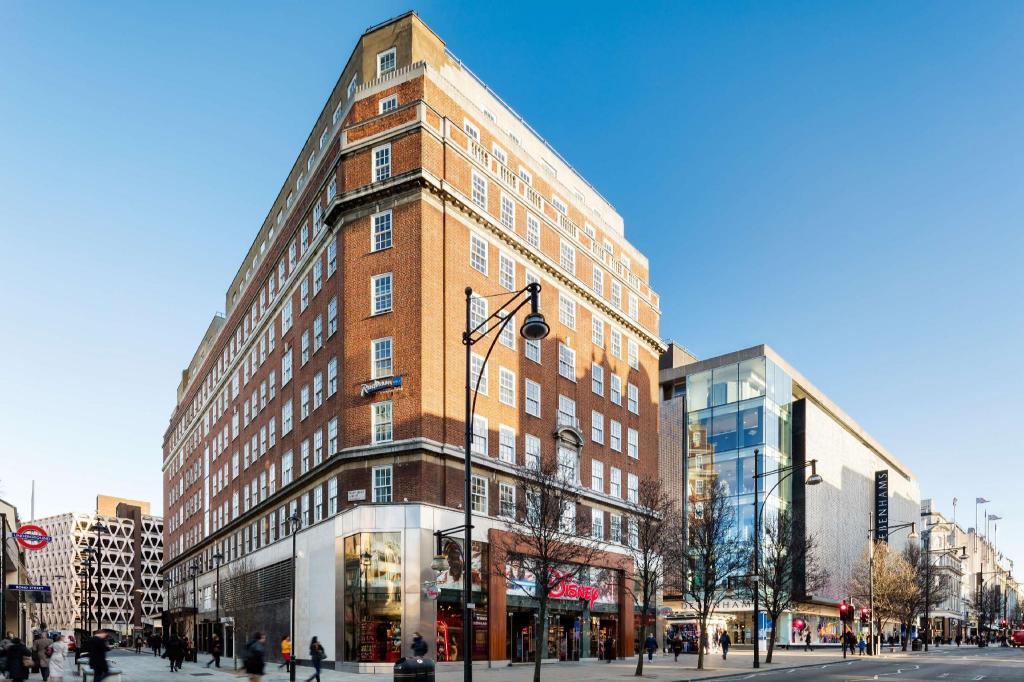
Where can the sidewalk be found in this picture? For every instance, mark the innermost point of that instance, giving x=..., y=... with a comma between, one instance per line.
x=147, y=668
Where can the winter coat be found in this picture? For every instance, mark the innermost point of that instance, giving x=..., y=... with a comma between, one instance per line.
x=97, y=649
x=650, y=643
x=57, y=659
x=16, y=653
x=255, y=657
x=39, y=647
x=419, y=646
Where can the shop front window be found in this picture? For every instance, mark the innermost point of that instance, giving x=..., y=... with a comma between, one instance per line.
x=449, y=638
x=373, y=597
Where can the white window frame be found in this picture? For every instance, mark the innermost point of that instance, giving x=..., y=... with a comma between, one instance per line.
x=378, y=411
x=381, y=157
x=388, y=104
x=528, y=388
x=477, y=260
x=382, y=484
x=374, y=309
x=390, y=54
x=378, y=356
x=381, y=231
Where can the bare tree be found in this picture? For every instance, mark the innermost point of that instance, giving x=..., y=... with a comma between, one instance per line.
x=714, y=554
x=790, y=568
x=924, y=592
x=988, y=606
x=543, y=552
x=653, y=542
x=893, y=577
x=238, y=590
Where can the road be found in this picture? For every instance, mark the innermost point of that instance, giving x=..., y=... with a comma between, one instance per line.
x=993, y=664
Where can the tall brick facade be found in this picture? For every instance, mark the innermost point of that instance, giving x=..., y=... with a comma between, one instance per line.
x=418, y=173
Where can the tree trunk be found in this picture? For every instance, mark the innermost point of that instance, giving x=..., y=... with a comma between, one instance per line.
x=542, y=639
x=906, y=635
x=700, y=644
x=771, y=639
x=640, y=660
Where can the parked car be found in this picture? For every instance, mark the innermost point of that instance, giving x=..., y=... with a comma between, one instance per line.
x=1017, y=638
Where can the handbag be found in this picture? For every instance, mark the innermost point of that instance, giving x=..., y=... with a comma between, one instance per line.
x=27, y=662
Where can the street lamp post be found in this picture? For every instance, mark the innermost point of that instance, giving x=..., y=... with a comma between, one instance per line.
x=296, y=522
x=534, y=328
x=786, y=471
x=217, y=558
x=193, y=571
x=99, y=528
x=912, y=525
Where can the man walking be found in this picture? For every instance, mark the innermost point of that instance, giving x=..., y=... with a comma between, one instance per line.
x=650, y=644
x=97, y=648
x=724, y=641
x=807, y=642
x=215, y=652
x=41, y=650
x=255, y=657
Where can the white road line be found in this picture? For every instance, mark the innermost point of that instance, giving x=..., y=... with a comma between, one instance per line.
x=980, y=677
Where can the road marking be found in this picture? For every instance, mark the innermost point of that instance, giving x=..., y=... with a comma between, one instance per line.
x=980, y=677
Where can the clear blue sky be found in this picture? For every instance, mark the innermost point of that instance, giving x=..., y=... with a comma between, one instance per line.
x=842, y=181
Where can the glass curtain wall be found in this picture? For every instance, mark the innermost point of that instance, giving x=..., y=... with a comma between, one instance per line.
x=732, y=411
x=373, y=597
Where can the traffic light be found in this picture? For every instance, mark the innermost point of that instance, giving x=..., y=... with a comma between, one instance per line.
x=863, y=615
x=844, y=612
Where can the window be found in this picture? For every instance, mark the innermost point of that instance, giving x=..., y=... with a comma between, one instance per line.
x=332, y=497
x=597, y=379
x=478, y=373
x=332, y=436
x=523, y=173
x=532, y=349
x=286, y=417
x=567, y=522
x=616, y=343
x=632, y=488
x=597, y=284
x=615, y=528
x=332, y=191
x=508, y=212
x=479, y=494
x=389, y=103
x=382, y=233
x=597, y=332
x=351, y=90
x=332, y=316
x=634, y=307
x=286, y=316
x=318, y=333
x=633, y=443
x=597, y=524
x=318, y=447
x=332, y=257
x=532, y=392
x=532, y=507
x=506, y=272
x=567, y=256
x=332, y=377
x=532, y=457
x=382, y=162
x=616, y=294
x=566, y=362
x=634, y=535
x=615, y=435
x=633, y=399
x=304, y=403
x=381, y=286
x=471, y=130
x=507, y=386
x=532, y=231
x=382, y=484
x=559, y=205
x=234, y=466
x=478, y=253
x=318, y=390
x=381, y=357
x=318, y=504
x=597, y=427
x=481, y=436
x=508, y=332
x=382, y=422
x=506, y=500
x=597, y=476
x=304, y=348
x=615, y=393
x=499, y=154
x=478, y=313
x=323, y=143
x=386, y=62
x=615, y=483
x=634, y=354
x=567, y=311
x=506, y=444
x=286, y=468
x=335, y=117
x=479, y=194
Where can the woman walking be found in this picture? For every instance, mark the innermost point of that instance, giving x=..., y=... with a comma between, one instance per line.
x=317, y=655
x=17, y=653
x=57, y=658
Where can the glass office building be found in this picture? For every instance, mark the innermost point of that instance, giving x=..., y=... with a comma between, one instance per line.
x=734, y=411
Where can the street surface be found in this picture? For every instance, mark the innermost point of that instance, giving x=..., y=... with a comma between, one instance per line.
x=955, y=665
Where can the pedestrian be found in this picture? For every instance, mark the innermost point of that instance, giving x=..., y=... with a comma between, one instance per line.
x=97, y=648
x=807, y=641
x=58, y=652
x=677, y=646
x=609, y=649
x=704, y=643
x=215, y=651
x=255, y=657
x=317, y=655
x=286, y=652
x=17, y=655
x=862, y=646
x=650, y=644
x=173, y=652
x=958, y=640
x=40, y=653
x=157, y=642
x=138, y=644
x=725, y=641
x=419, y=645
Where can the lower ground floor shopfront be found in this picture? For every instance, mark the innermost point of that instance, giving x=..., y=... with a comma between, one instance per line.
x=365, y=587
x=736, y=618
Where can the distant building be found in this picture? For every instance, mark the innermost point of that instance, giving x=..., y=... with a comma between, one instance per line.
x=13, y=568
x=753, y=401
x=125, y=570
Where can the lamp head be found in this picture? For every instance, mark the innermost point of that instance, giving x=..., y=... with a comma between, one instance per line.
x=815, y=477
x=439, y=564
x=913, y=531
x=535, y=327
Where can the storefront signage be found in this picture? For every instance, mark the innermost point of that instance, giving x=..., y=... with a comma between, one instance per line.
x=380, y=386
x=31, y=537
x=882, y=505
x=29, y=588
x=357, y=495
x=599, y=588
x=573, y=590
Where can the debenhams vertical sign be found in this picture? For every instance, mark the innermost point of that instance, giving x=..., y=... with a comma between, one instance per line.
x=882, y=505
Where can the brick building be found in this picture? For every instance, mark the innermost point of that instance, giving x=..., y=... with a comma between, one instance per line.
x=332, y=386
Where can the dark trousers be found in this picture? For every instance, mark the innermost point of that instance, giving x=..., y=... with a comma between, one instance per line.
x=725, y=651
x=214, y=661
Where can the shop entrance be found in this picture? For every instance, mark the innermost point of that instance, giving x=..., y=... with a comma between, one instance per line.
x=564, y=637
x=601, y=628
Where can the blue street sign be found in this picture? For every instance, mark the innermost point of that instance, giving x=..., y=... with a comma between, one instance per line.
x=34, y=537
x=28, y=588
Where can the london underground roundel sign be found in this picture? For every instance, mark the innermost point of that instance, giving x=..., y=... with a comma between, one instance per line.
x=31, y=536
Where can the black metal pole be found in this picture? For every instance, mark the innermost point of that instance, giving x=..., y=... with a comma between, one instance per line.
x=467, y=575
x=99, y=584
x=195, y=613
x=926, y=540
x=295, y=571
x=757, y=562
x=3, y=575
